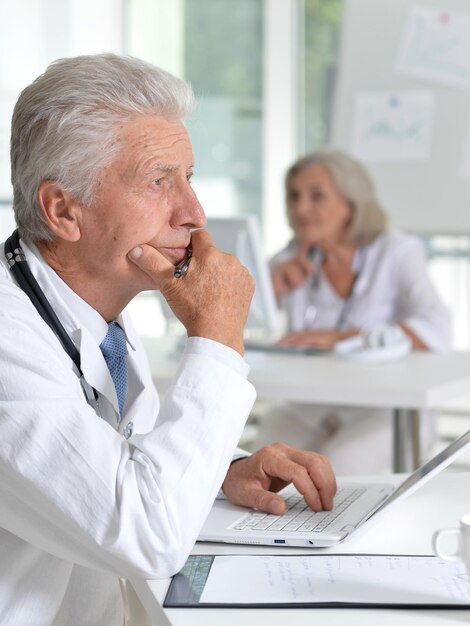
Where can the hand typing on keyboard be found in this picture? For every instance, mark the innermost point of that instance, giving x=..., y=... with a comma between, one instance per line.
x=254, y=481
x=298, y=516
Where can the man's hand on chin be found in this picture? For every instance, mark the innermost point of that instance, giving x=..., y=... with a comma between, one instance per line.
x=254, y=480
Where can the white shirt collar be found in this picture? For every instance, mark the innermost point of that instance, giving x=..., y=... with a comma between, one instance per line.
x=84, y=325
x=73, y=311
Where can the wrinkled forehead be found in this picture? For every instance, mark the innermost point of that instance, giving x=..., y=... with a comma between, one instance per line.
x=151, y=141
x=152, y=132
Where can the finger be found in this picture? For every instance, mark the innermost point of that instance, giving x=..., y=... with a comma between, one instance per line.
x=320, y=471
x=309, y=339
x=263, y=500
x=289, y=340
x=281, y=288
x=306, y=266
x=201, y=239
x=285, y=341
x=294, y=276
x=150, y=260
x=297, y=340
x=291, y=472
x=281, y=282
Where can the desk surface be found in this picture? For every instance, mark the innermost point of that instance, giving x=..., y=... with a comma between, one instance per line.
x=405, y=529
x=419, y=381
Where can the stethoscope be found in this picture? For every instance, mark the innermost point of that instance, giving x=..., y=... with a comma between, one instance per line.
x=311, y=310
x=24, y=277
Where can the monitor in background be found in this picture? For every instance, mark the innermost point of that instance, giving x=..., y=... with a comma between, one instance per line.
x=240, y=236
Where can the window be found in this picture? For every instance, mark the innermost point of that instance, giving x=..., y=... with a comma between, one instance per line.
x=217, y=47
x=263, y=72
x=35, y=33
x=321, y=21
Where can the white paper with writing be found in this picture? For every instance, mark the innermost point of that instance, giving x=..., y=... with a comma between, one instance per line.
x=335, y=578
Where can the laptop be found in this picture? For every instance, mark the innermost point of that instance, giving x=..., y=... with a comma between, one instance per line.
x=354, y=505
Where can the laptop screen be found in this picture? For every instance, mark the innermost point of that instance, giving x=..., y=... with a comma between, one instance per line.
x=429, y=469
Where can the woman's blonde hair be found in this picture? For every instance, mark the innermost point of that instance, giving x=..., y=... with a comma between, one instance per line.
x=353, y=182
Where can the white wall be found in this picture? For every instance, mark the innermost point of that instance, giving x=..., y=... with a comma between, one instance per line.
x=36, y=32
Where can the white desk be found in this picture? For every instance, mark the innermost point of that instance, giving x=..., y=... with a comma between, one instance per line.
x=405, y=529
x=420, y=381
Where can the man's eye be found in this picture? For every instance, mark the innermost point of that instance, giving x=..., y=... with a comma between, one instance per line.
x=189, y=177
x=157, y=181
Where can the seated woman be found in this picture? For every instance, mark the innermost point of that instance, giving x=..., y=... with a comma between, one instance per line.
x=345, y=271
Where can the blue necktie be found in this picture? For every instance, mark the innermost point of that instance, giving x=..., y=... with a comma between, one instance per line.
x=114, y=350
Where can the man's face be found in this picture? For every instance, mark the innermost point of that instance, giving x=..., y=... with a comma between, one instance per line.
x=144, y=196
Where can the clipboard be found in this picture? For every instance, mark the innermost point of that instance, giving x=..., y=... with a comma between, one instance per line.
x=320, y=581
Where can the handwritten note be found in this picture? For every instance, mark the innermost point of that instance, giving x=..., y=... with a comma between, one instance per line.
x=336, y=578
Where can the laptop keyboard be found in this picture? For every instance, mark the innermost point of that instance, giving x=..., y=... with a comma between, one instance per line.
x=299, y=516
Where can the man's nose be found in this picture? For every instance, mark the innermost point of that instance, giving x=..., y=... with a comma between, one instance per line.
x=190, y=212
x=199, y=218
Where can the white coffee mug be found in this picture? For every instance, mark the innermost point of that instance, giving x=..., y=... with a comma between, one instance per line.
x=462, y=535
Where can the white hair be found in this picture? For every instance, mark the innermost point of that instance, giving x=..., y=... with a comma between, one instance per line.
x=353, y=182
x=64, y=126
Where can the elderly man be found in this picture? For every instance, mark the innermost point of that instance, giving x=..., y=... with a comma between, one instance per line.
x=97, y=481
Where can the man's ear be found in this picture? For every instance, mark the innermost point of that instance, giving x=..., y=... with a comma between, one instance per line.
x=61, y=212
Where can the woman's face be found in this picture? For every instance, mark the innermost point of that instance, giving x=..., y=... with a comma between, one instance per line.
x=318, y=214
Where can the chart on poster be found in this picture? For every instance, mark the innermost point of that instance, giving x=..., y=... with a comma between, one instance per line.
x=402, y=106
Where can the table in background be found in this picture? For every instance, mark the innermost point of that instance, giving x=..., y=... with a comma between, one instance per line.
x=420, y=381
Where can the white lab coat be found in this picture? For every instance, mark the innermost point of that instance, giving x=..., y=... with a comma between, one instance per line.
x=81, y=506
x=393, y=286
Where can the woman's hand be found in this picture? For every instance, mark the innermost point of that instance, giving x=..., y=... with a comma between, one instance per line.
x=291, y=274
x=324, y=338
